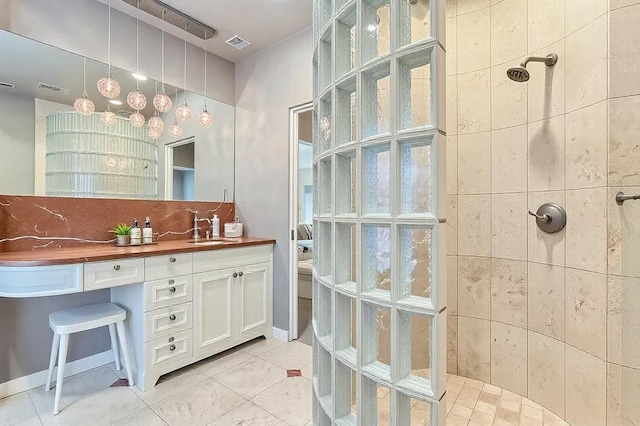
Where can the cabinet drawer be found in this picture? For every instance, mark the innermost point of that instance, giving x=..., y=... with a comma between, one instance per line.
x=204, y=261
x=166, y=350
x=172, y=265
x=113, y=273
x=167, y=321
x=37, y=281
x=167, y=292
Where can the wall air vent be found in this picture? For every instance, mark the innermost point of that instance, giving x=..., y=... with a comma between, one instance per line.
x=53, y=88
x=237, y=42
x=6, y=85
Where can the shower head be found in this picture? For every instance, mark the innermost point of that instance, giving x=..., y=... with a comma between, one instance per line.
x=520, y=74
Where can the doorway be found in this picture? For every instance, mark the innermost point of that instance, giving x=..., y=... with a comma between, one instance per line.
x=180, y=170
x=300, y=219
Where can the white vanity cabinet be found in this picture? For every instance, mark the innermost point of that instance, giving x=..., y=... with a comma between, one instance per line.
x=195, y=305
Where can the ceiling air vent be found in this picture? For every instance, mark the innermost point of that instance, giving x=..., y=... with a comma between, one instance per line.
x=237, y=42
x=53, y=88
x=7, y=85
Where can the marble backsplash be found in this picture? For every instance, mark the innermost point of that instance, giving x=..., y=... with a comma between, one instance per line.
x=31, y=223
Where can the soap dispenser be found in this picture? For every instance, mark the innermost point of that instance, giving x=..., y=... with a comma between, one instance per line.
x=215, y=226
x=147, y=232
x=136, y=233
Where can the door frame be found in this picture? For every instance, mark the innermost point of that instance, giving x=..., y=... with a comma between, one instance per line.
x=168, y=163
x=294, y=112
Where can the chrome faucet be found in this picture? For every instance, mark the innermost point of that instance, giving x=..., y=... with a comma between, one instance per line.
x=196, y=228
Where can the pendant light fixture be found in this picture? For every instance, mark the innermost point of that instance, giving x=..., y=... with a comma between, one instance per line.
x=136, y=98
x=107, y=117
x=175, y=130
x=184, y=113
x=137, y=119
x=156, y=122
x=84, y=105
x=107, y=86
x=205, y=120
x=162, y=102
x=153, y=133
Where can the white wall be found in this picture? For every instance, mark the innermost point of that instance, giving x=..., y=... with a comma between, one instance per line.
x=80, y=26
x=267, y=85
x=17, y=132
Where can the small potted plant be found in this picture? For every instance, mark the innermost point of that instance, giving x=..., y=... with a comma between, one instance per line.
x=122, y=232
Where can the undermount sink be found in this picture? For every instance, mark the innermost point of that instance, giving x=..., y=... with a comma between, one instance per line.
x=214, y=242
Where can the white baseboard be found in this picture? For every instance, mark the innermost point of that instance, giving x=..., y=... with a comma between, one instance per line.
x=72, y=368
x=280, y=334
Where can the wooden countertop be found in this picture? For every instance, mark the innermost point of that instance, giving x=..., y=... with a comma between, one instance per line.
x=96, y=253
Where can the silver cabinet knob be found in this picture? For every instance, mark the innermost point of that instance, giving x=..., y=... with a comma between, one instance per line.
x=172, y=289
x=240, y=274
x=172, y=348
x=116, y=267
x=172, y=317
x=235, y=275
x=172, y=259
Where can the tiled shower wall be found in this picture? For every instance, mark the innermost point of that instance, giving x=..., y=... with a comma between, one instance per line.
x=554, y=317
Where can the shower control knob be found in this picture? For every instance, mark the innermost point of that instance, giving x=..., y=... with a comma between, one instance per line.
x=550, y=218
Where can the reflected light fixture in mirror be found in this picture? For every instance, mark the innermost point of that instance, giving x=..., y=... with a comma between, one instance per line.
x=136, y=119
x=108, y=118
x=108, y=86
x=162, y=102
x=136, y=98
x=175, y=130
x=153, y=133
x=184, y=113
x=84, y=105
x=205, y=120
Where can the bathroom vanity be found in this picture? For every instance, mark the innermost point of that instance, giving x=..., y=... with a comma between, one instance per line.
x=184, y=301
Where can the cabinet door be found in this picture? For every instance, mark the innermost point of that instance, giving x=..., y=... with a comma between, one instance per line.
x=214, y=298
x=254, y=292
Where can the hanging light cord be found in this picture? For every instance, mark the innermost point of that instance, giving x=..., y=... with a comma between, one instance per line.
x=84, y=77
x=205, y=69
x=109, y=41
x=137, y=41
x=162, y=71
x=185, y=61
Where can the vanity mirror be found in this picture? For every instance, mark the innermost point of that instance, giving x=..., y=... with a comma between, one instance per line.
x=49, y=149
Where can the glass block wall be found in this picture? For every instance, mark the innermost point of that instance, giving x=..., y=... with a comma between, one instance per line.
x=379, y=286
x=85, y=158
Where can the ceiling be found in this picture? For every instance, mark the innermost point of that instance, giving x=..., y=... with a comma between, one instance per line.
x=261, y=22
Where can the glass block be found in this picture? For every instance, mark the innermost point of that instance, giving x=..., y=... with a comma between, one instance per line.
x=324, y=309
x=416, y=251
x=316, y=297
x=346, y=323
x=346, y=407
x=323, y=232
x=376, y=179
x=376, y=337
x=325, y=124
x=415, y=349
x=346, y=254
x=341, y=3
x=376, y=30
x=376, y=257
x=346, y=120
x=414, y=80
x=315, y=75
x=420, y=412
x=346, y=177
x=325, y=186
x=324, y=419
x=416, y=176
x=315, y=191
x=415, y=21
x=323, y=10
x=346, y=42
x=316, y=134
x=325, y=60
x=376, y=403
x=324, y=380
x=376, y=104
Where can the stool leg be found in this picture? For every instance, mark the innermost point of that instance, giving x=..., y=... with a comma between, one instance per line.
x=125, y=351
x=114, y=346
x=52, y=360
x=62, y=359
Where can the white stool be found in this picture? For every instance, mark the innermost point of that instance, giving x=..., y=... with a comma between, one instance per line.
x=64, y=323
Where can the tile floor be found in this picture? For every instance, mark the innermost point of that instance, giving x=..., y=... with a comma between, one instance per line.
x=246, y=386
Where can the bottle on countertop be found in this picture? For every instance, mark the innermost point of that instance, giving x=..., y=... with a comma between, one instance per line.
x=215, y=226
x=147, y=232
x=136, y=233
